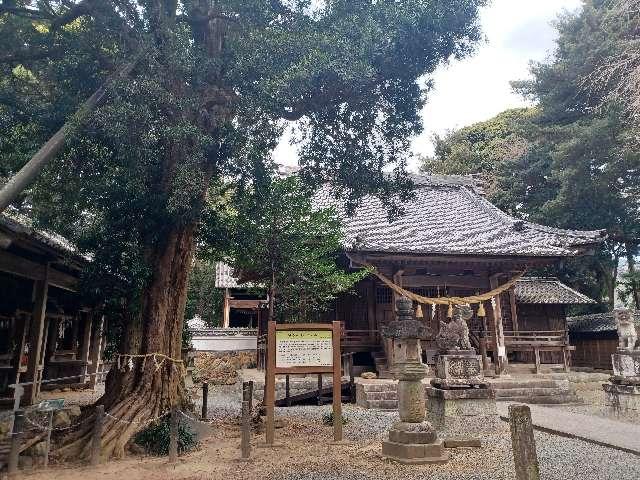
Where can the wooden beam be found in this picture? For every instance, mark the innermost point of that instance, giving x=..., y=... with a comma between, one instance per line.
x=371, y=306
x=498, y=331
x=514, y=308
x=247, y=304
x=460, y=281
x=95, y=355
x=36, y=334
x=23, y=267
x=226, y=309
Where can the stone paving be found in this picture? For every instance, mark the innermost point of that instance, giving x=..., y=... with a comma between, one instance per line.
x=601, y=431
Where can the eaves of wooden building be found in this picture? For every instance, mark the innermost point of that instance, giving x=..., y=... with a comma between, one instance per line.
x=46, y=330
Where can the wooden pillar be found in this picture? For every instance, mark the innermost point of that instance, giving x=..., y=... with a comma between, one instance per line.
x=21, y=333
x=95, y=355
x=371, y=307
x=86, y=344
x=498, y=331
x=36, y=336
x=514, y=309
x=226, y=309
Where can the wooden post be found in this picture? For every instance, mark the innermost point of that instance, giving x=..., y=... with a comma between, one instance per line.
x=226, y=309
x=36, y=333
x=270, y=383
x=16, y=440
x=173, y=436
x=245, y=443
x=250, y=388
x=498, y=330
x=86, y=345
x=371, y=308
x=337, y=385
x=205, y=399
x=96, y=436
x=287, y=392
x=319, y=389
x=95, y=357
x=48, y=441
x=514, y=309
x=536, y=354
x=523, y=443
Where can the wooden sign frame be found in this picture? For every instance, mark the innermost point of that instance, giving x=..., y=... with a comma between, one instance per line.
x=273, y=370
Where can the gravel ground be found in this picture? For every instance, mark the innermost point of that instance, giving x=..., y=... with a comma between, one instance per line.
x=560, y=458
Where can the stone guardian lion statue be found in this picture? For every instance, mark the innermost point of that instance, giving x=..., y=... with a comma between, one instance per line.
x=455, y=334
x=627, y=334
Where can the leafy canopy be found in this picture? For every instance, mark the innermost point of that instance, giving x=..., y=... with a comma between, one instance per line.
x=279, y=240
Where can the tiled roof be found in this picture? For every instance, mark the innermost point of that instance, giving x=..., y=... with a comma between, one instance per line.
x=22, y=226
x=448, y=215
x=549, y=291
x=596, y=322
x=226, y=279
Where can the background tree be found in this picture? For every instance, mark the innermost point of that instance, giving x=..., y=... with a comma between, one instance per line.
x=204, y=300
x=279, y=240
x=580, y=165
x=212, y=86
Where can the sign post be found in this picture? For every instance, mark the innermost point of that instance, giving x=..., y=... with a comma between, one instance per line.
x=303, y=349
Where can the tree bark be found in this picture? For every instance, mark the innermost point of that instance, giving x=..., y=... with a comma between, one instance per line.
x=149, y=389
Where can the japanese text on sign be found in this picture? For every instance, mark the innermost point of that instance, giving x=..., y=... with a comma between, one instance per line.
x=304, y=348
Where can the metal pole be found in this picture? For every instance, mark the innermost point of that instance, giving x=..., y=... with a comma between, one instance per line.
x=96, y=438
x=173, y=436
x=205, y=399
x=16, y=440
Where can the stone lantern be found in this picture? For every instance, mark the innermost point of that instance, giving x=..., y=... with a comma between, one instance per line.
x=412, y=440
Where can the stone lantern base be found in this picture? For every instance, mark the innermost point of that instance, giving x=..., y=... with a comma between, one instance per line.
x=414, y=443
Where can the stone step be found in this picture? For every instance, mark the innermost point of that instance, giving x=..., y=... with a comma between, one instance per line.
x=391, y=395
x=542, y=399
x=382, y=404
x=379, y=387
x=536, y=392
x=509, y=384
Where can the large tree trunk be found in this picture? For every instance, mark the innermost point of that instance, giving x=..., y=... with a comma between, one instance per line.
x=635, y=288
x=150, y=388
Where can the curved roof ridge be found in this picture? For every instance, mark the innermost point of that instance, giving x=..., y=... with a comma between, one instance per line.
x=593, y=235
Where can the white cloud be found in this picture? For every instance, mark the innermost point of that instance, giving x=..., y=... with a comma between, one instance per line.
x=477, y=88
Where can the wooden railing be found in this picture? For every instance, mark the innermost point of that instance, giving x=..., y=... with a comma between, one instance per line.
x=534, y=341
x=534, y=337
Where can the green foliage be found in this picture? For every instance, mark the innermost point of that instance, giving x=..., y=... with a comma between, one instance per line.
x=202, y=110
x=155, y=438
x=283, y=243
x=572, y=161
x=203, y=298
x=327, y=418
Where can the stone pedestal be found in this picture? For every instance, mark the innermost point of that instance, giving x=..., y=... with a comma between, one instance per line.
x=412, y=440
x=459, y=401
x=623, y=393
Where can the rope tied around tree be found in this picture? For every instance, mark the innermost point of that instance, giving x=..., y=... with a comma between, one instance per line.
x=158, y=364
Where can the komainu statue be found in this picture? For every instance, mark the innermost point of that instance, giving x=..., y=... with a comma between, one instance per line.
x=455, y=334
x=627, y=334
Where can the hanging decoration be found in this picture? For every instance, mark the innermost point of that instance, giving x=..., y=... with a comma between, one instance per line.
x=419, y=311
x=450, y=301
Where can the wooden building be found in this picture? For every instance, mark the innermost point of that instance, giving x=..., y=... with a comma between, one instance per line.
x=451, y=241
x=243, y=306
x=595, y=338
x=46, y=330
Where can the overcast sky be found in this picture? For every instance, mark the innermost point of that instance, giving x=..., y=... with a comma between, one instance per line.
x=477, y=88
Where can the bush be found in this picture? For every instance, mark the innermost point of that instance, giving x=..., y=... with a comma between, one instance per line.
x=327, y=419
x=155, y=438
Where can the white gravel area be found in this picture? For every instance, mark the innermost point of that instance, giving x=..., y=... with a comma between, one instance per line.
x=560, y=458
